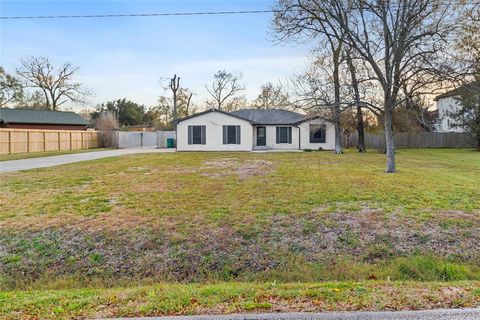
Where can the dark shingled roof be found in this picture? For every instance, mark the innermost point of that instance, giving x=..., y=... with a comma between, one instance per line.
x=469, y=87
x=41, y=117
x=269, y=116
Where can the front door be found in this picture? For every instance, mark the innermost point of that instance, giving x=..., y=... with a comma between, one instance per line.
x=261, y=136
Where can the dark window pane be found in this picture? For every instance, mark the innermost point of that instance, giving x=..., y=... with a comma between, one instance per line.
x=197, y=134
x=284, y=135
x=317, y=133
x=231, y=135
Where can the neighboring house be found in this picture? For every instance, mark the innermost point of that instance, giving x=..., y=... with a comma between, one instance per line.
x=253, y=129
x=39, y=119
x=448, y=102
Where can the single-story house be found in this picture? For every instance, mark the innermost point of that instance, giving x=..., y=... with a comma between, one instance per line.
x=40, y=119
x=253, y=129
x=449, y=102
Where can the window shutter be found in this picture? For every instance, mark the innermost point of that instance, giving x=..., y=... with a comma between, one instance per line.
x=203, y=135
x=238, y=135
x=225, y=134
x=190, y=134
x=289, y=134
x=278, y=135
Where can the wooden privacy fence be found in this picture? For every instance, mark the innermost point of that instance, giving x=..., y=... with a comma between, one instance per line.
x=412, y=140
x=27, y=140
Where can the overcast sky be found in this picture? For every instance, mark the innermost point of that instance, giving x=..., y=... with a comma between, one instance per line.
x=128, y=57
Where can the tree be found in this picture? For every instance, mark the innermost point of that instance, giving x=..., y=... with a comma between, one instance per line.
x=467, y=116
x=35, y=101
x=11, y=89
x=398, y=40
x=300, y=19
x=468, y=40
x=271, y=97
x=225, y=89
x=318, y=94
x=357, y=102
x=174, y=86
x=129, y=113
x=56, y=83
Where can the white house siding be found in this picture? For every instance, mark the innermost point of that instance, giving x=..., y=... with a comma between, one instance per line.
x=305, y=135
x=446, y=105
x=214, y=122
x=271, y=140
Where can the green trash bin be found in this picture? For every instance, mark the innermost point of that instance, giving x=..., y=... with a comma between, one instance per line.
x=170, y=143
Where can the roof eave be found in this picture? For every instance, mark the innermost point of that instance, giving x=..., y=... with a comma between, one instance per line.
x=176, y=122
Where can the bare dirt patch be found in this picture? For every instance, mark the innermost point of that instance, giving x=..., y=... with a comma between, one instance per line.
x=232, y=166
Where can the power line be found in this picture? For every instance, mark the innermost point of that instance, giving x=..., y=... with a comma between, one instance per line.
x=138, y=15
x=166, y=14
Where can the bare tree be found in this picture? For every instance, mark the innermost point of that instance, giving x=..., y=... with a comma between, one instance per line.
x=174, y=86
x=224, y=88
x=297, y=20
x=271, y=97
x=56, y=84
x=105, y=123
x=399, y=40
x=356, y=102
x=185, y=97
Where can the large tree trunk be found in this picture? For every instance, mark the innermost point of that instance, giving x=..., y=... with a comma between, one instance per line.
x=360, y=130
x=338, y=137
x=337, y=109
x=389, y=144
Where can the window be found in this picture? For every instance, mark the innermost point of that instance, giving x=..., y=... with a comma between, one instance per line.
x=231, y=134
x=196, y=134
x=317, y=133
x=284, y=134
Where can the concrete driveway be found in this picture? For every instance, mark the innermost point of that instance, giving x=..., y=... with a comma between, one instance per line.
x=441, y=314
x=44, y=162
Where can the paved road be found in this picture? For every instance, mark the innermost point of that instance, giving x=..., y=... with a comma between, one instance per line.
x=43, y=162
x=442, y=314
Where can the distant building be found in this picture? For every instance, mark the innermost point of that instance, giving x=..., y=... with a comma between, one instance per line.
x=448, y=102
x=140, y=127
x=40, y=119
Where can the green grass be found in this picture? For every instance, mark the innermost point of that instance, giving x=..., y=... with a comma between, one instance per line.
x=179, y=299
x=245, y=219
x=18, y=156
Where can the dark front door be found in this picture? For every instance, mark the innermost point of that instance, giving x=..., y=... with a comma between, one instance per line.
x=261, y=136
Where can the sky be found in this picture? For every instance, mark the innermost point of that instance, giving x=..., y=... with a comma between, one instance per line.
x=132, y=57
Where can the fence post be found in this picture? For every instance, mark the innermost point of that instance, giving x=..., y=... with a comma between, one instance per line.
x=81, y=139
x=28, y=141
x=9, y=142
x=71, y=140
x=59, y=141
x=44, y=142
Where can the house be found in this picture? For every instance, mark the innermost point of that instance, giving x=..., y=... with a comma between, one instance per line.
x=253, y=129
x=40, y=119
x=448, y=102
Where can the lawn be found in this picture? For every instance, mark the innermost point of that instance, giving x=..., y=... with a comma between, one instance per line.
x=245, y=220
x=220, y=298
x=18, y=156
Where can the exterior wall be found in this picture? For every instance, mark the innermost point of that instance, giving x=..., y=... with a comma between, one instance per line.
x=42, y=126
x=305, y=135
x=271, y=138
x=444, y=106
x=214, y=122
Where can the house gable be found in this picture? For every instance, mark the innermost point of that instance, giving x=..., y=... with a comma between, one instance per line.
x=212, y=126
